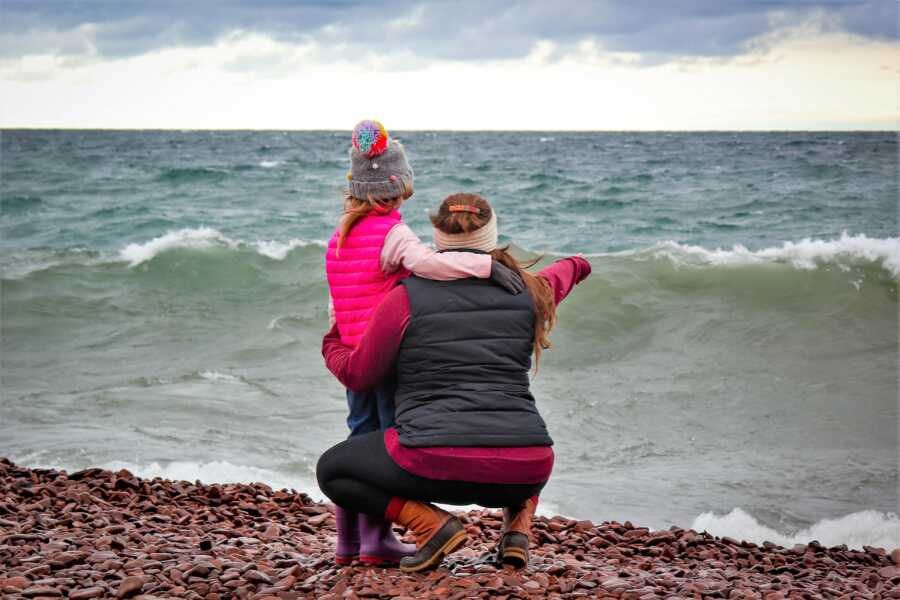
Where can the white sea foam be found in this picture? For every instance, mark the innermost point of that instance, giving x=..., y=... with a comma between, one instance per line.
x=268, y=164
x=220, y=471
x=279, y=250
x=204, y=238
x=216, y=376
x=544, y=508
x=805, y=254
x=216, y=471
x=864, y=528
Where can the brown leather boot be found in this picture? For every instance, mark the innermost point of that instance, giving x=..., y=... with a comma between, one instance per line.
x=438, y=533
x=513, y=547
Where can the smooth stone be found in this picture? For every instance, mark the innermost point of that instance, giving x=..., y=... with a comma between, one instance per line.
x=85, y=594
x=40, y=590
x=17, y=582
x=129, y=587
x=889, y=571
x=257, y=577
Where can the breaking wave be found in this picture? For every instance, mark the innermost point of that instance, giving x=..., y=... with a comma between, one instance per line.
x=805, y=254
x=205, y=238
x=864, y=528
x=848, y=250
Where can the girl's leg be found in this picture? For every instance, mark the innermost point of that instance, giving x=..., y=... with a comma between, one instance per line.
x=347, y=524
x=362, y=417
x=362, y=414
x=377, y=542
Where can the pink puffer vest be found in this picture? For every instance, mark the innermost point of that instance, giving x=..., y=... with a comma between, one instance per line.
x=355, y=278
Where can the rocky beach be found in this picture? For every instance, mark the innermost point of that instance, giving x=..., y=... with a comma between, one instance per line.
x=99, y=534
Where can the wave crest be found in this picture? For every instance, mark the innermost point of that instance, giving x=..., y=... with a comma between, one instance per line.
x=864, y=528
x=805, y=254
x=205, y=238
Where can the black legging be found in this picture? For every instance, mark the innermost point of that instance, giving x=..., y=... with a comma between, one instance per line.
x=359, y=474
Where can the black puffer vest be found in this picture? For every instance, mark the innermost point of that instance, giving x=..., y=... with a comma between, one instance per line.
x=462, y=369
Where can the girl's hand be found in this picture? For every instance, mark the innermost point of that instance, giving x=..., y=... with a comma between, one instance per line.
x=506, y=278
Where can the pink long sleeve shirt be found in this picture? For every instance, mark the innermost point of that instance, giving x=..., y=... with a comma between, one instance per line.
x=404, y=250
x=362, y=368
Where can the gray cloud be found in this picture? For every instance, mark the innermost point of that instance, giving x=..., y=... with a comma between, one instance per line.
x=463, y=30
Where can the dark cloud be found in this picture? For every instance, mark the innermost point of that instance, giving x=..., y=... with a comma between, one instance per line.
x=464, y=30
x=127, y=28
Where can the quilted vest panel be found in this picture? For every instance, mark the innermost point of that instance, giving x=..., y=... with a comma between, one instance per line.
x=462, y=369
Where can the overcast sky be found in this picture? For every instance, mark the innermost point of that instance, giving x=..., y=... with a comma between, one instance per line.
x=479, y=64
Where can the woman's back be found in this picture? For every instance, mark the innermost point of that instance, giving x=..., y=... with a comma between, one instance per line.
x=462, y=369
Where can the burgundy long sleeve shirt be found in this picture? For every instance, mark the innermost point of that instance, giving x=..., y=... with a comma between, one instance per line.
x=366, y=365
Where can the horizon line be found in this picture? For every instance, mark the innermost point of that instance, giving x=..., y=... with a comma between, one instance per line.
x=416, y=130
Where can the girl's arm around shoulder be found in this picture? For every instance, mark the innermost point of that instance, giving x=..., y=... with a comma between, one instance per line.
x=403, y=249
x=363, y=367
x=565, y=274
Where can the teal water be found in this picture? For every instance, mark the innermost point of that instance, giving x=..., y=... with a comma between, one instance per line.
x=731, y=362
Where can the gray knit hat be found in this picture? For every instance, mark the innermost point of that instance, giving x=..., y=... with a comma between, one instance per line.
x=378, y=165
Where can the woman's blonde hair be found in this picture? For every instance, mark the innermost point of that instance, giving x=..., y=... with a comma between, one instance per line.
x=465, y=221
x=356, y=208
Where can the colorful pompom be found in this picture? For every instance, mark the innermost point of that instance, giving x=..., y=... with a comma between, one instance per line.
x=370, y=138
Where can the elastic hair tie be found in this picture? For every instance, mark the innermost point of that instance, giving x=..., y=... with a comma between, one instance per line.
x=464, y=208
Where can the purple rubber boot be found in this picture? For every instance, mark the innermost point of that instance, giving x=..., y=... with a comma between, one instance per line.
x=377, y=544
x=347, y=523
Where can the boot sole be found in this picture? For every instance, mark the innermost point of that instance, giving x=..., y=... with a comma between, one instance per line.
x=375, y=560
x=513, y=550
x=515, y=557
x=452, y=544
x=345, y=560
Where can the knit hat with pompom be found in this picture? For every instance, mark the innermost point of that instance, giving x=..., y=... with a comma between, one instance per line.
x=378, y=165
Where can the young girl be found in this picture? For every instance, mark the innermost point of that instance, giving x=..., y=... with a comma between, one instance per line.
x=370, y=252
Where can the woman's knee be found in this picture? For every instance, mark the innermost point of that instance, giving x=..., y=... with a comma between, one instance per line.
x=327, y=469
x=355, y=459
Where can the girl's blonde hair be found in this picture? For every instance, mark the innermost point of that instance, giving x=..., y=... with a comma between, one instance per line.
x=465, y=221
x=356, y=208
